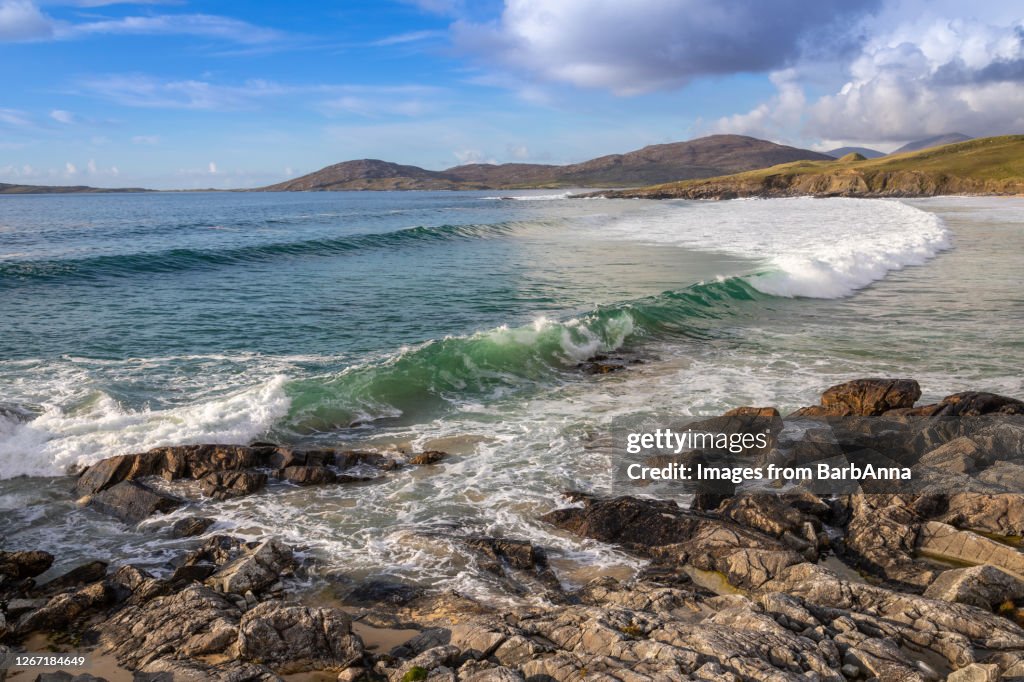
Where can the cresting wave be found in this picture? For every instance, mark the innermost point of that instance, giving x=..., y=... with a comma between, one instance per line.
x=422, y=383
x=13, y=273
x=814, y=248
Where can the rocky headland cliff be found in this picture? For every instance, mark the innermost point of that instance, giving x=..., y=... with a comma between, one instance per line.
x=987, y=166
x=916, y=584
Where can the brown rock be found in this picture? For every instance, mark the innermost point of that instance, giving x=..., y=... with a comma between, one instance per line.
x=190, y=526
x=428, y=457
x=25, y=564
x=977, y=403
x=308, y=475
x=869, y=397
x=223, y=485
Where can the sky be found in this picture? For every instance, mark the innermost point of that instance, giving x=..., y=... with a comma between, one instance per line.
x=225, y=94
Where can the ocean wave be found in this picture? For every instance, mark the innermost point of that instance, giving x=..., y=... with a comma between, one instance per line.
x=91, y=268
x=59, y=438
x=813, y=248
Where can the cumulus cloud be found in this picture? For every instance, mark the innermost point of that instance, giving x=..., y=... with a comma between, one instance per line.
x=22, y=20
x=644, y=45
x=951, y=76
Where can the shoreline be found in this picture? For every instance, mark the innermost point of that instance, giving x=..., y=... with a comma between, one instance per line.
x=767, y=557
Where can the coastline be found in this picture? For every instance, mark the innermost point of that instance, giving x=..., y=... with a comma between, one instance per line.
x=940, y=552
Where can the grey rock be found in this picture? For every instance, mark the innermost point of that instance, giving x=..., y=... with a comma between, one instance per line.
x=255, y=570
x=296, y=638
x=191, y=526
x=132, y=501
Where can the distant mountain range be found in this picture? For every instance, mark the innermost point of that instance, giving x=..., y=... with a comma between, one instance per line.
x=840, y=152
x=701, y=158
x=988, y=166
x=51, y=189
x=937, y=141
x=704, y=157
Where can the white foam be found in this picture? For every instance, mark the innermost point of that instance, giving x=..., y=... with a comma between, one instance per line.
x=60, y=437
x=816, y=248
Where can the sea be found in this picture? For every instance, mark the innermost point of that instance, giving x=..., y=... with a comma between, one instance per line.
x=458, y=321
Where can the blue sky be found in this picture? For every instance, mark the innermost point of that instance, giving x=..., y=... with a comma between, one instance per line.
x=187, y=94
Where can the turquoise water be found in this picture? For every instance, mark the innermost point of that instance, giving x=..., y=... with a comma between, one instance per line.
x=456, y=320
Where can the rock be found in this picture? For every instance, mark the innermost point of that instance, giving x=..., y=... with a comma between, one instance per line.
x=113, y=470
x=16, y=607
x=351, y=674
x=772, y=514
x=61, y=676
x=960, y=455
x=982, y=586
x=295, y=638
x=977, y=403
x=223, y=485
x=428, y=457
x=662, y=530
x=190, y=670
x=945, y=542
x=882, y=538
x=193, y=622
x=1001, y=514
x=516, y=553
x=372, y=592
x=66, y=608
x=190, y=526
x=975, y=672
x=1008, y=476
x=307, y=475
x=427, y=662
x=24, y=564
x=869, y=397
x=756, y=412
x=256, y=569
x=132, y=501
x=76, y=577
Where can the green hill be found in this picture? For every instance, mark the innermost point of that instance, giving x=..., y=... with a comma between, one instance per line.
x=991, y=165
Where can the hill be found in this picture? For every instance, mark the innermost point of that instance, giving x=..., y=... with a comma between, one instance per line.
x=700, y=158
x=937, y=141
x=992, y=165
x=866, y=152
x=54, y=189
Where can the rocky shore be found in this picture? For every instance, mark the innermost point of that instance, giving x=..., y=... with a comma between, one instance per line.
x=876, y=580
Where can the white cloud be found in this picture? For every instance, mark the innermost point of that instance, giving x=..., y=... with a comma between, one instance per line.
x=951, y=76
x=775, y=118
x=204, y=25
x=62, y=116
x=22, y=20
x=465, y=156
x=146, y=139
x=69, y=168
x=644, y=45
x=212, y=168
x=405, y=38
x=15, y=118
x=91, y=167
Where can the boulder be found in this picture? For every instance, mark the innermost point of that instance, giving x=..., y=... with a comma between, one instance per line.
x=294, y=638
x=372, y=592
x=975, y=672
x=983, y=586
x=256, y=569
x=961, y=455
x=869, y=397
x=23, y=564
x=77, y=577
x=66, y=608
x=132, y=501
x=945, y=542
x=1001, y=514
x=307, y=475
x=191, y=670
x=977, y=403
x=190, y=526
x=223, y=485
x=428, y=457
x=113, y=470
x=195, y=621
